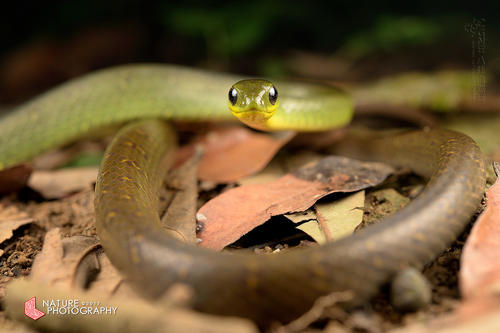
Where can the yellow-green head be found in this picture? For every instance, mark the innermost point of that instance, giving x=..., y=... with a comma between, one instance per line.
x=253, y=101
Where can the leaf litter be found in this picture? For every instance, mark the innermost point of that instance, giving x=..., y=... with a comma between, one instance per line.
x=235, y=212
x=75, y=267
x=78, y=219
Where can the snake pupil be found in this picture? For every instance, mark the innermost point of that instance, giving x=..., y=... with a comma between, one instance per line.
x=233, y=96
x=273, y=95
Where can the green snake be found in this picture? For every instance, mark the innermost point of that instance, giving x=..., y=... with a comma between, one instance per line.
x=263, y=288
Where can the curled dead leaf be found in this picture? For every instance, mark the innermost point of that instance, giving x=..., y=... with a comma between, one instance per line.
x=65, y=262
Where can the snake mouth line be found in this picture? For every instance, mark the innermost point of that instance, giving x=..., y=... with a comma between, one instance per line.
x=250, y=110
x=253, y=113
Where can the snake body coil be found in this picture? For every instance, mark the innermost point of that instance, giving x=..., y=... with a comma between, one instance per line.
x=259, y=287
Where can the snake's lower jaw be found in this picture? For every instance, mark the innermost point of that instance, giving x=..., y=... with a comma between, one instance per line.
x=254, y=118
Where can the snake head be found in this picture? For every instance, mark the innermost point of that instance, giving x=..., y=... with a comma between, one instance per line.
x=253, y=101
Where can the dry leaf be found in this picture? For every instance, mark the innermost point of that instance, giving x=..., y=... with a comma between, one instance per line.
x=313, y=229
x=331, y=220
x=232, y=214
x=235, y=152
x=341, y=217
x=180, y=199
x=480, y=267
x=59, y=183
x=73, y=262
x=11, y=219
x=302, y=217
x=15, y=178
x=60, y=261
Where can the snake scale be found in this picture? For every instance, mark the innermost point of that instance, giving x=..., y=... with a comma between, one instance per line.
x=263, y=288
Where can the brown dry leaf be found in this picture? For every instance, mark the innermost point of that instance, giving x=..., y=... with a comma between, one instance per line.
x=15, y=178
x=11, y=219
x=72, y=262
x=232, y=214
x=480, y=268
x=235, y=152
x=180, y=201
x=59, y=183
x=49, y=258
x=65, y=262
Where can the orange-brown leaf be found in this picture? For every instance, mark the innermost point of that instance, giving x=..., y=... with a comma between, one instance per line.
x=235, y=152
x=480, y=265
x=232, y=214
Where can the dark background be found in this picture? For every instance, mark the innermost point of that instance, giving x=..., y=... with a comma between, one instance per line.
x=44, y=43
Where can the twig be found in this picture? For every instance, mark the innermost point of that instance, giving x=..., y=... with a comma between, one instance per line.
x=316, y=312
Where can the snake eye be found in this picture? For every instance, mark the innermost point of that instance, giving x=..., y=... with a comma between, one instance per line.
x=273, y=95
x=233, y=96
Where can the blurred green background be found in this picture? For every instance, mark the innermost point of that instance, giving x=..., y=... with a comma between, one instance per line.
x=47, y=42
